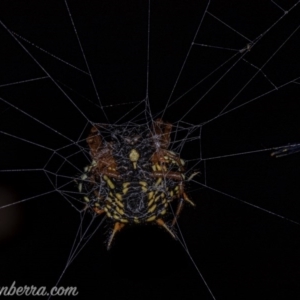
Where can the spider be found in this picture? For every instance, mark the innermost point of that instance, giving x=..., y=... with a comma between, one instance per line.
x=133, y=176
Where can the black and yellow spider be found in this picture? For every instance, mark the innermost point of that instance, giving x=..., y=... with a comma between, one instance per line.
x=133, y=176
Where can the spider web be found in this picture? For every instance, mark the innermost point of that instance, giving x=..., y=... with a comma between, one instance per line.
x=226, y=75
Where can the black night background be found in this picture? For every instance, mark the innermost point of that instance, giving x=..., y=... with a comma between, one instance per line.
x=241, y=238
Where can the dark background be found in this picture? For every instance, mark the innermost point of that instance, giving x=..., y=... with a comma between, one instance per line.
x=242, y=251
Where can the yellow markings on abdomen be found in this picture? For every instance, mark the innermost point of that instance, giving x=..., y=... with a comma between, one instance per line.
x=159, y=180
x=83, y=176
x=120, y=211
x=150, y=202
x=150, y=195
x=144, y=186
x=118, y=199
x=134, y=157
x=151, y=219
x=136, y=220
x=120, y=204
x=125, y=187
x=107, y=212
x=152, y=209
x=109, y=182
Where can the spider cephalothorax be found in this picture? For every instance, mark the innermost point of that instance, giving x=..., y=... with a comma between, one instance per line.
x=133, y=176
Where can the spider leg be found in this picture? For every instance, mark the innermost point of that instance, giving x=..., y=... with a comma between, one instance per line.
x=171, y=156
x=111, y=173
x=94, y=141
x=172, y=175
x=183, y=198
x=98, y=211
x=161, y=223
x=163, y=131
x=117, y=227
x=184, y=195
x=178, y=211
x=186, y=198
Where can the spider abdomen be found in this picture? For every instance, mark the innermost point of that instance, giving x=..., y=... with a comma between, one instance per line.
x=133, y=176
